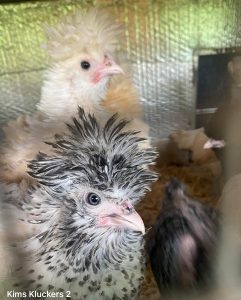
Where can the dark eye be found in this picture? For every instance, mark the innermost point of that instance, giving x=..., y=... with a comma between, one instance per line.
x=85, y=65
x=93, y=199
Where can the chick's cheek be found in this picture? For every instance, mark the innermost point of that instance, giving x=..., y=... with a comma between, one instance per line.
x=104, y=222
x=99, y=73
x=109, y=221
x=96, y=77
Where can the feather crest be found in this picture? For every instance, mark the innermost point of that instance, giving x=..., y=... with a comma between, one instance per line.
x=81, y=32
x=104, y=157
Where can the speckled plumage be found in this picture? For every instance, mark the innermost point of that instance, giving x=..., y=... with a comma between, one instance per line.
x=69, y=251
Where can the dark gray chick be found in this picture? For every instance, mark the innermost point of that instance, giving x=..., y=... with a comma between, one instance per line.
x=183, y=242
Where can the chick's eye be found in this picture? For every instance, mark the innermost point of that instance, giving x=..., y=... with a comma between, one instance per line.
x=85, y=65
x=93, y=199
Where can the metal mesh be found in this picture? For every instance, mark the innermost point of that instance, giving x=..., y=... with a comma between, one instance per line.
x=160, y=39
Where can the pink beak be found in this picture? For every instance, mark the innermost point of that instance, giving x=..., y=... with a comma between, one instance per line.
x=123, y=215
x=106, y=69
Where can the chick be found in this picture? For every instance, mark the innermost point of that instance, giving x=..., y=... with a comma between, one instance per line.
x=225, y=139
x=88, y=242
x=84, y=50
x=194, y=141
x=183, y=242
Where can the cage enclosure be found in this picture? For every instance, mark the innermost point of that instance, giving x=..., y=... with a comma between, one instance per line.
x=185, y=61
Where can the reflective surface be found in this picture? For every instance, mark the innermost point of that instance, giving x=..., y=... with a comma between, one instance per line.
x=160, y=38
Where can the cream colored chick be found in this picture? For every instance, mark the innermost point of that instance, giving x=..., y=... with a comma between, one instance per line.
x=194, y=140
x=85, y=50
x=87, y=72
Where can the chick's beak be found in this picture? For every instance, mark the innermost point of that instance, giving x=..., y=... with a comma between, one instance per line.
x=211, y=143
x=123, y=215
x=106, y=69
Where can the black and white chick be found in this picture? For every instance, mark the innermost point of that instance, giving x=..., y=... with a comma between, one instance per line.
x=183, y=242
x=88, y=238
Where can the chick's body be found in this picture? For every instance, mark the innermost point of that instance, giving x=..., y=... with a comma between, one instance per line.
x=184, y=242
x=88, y=238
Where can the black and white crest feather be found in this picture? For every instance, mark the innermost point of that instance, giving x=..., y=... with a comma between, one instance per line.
x=105, y=157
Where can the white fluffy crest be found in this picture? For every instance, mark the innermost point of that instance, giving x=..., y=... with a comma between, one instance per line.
x=94, y=29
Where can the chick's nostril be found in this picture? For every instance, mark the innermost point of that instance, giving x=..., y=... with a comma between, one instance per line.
x=108, y=63
x=127, y=207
